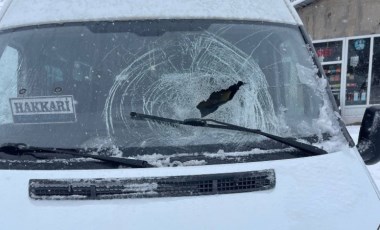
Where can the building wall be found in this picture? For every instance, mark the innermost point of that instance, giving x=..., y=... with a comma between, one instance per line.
x=326, y=19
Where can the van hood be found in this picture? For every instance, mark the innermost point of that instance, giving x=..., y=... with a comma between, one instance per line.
x=333, y=191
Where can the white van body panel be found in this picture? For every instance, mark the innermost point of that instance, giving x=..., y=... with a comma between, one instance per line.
x=331, y=191
x=18, y=13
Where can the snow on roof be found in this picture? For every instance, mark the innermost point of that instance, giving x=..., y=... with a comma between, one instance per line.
x=16, y=13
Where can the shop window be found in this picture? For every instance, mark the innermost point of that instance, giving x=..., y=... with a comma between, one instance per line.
x=329, y=52
x=375, y=82
x=357, y=71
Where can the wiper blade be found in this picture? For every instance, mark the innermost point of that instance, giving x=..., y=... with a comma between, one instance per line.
x=308, y=149
x=23, y=149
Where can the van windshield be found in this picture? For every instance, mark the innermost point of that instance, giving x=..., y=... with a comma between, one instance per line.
x=74, y=85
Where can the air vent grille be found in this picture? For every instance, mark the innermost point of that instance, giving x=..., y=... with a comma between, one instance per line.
x=119, y=188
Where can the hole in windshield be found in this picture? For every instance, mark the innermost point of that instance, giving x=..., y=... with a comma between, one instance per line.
x=217, y=99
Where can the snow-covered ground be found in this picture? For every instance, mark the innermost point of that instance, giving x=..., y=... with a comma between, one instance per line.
x=374, y=169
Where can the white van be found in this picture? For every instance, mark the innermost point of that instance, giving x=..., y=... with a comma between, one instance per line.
x=153, y=114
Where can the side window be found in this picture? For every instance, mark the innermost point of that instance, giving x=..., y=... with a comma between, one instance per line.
x=9, y=64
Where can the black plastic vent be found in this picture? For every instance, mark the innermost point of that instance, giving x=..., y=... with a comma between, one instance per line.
x=196, y=185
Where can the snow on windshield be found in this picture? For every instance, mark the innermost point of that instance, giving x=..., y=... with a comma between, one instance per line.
x=327, y=121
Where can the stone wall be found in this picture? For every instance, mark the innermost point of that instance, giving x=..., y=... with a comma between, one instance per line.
x=325, y=19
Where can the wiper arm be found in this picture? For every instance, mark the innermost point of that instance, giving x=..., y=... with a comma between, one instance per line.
x=308, y=149
x=23, y=149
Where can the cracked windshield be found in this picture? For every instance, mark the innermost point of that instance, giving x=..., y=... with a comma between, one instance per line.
x=75, y=85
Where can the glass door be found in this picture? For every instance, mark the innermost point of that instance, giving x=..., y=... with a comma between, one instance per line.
x=357, y=71
x=375, y=80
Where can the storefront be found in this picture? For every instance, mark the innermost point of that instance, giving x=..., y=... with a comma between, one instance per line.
x=352, y=66
x=347, y=38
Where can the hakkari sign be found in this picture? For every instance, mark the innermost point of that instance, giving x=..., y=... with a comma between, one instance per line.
x=57, y=109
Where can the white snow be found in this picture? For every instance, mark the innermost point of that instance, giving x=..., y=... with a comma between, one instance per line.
x=34, y=12
x=327, y=120
x=160, y=160
x=374, y=169
x=222, y=155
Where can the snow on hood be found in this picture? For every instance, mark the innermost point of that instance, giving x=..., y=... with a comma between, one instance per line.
x=324, y=192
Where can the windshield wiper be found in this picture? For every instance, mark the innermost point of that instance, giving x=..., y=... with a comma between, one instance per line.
x=23, y=149
x=308, y=149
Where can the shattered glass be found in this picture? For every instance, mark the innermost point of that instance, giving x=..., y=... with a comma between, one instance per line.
x=169, y=83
